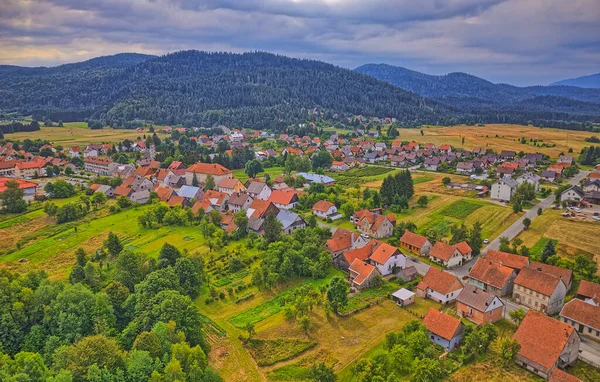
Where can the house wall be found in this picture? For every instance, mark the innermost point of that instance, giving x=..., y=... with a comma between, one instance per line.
x=493, y=314
x=443, y=298
x=571, y=196
x=500, y=192
x=264, y=194
x=582, y=329
x=534, y=300
x=448, y=345
x=189, y=177
x=398, y=260
x=285, y=206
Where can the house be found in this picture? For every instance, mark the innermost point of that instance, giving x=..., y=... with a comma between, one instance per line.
x=374, y=224
x=324, y=209
x=465, y=250
x=104, y=189
x=440, y=286
x=446, y=255
x=74, y=151
x=140, y=197
x=583, y=316
x=548, y=176
x=315, y=178
x=290, y=221
x=540, y=291
x=492, y=277
x=362, y=252
x=444, y=330
x=259, y=209
x=565, y=159
x=362, y=275
x=239, y=202
x=479, y=306
x=190, y=192
x=546, y=344
x=122, y=191
x=465, y=168
x=432, y=164
x=503, y=172
x=231, y=185
x=138, y=183
x=202, y=170
x=343, y=240
x=338, y=166
x=503, y=189
x=589, y=292
x=98, y=166
x=506, y=259
x=445, y=148
x=508, y=155
x=284, y=199
x=591, y=185
x=574, y=194
x=259, y=190
x=530, y=178
x=403, y=297
x=28, y=170
x=387, y=259
x=566, y=275
x=415, y=243
x=29, y=188
x=217, y=200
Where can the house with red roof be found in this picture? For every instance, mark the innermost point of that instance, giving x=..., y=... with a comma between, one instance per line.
x=374, y=224
x=387, y=259
x=203, y=170
x=362, y=275
x=539, y=290
x=589, y=292
x=546, y=344
x=440, y=286
x=583, y=316
x=362, y=253
x=217, y=200
x=230, y=186
x=492, y=277
x=324, y=209
x=415, y=243
x=447, y=255
x=284, y=200
x=444, y=330
x=562, y=376
x=343, y=240
x=506, y=259
x=479, y=306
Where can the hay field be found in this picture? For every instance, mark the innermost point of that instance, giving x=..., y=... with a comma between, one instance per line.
x=500, y=137
x=75, y=134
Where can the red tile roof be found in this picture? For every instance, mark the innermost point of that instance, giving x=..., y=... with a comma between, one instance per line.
x=362, y=253
x=564, y=273
x=562, y=376
x=582, y=312
x=23, y=184
x=441, y=324
x=507, y=259
x=542, y=338
x=463, y=247
x=362, y=269
x=440, y=281
x=283, y=197
x=383, y=253
x=341, y=239
x=322, y=206
x=442, y=251
x=491, y=273
x=588, y=289
x=538, y=281
x=413, y=239
x=209, y=169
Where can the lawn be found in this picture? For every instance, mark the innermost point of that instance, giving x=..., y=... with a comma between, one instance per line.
x=77, y=133
x=273, y=173
x=460, y=209
x=369, y=176
x=269, y=352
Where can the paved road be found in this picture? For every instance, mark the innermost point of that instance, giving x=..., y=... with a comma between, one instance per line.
x=516, y=228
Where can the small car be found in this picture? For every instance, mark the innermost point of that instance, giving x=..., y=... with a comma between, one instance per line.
x=486, y=241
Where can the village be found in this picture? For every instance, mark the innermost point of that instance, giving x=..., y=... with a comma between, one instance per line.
x=474, y=278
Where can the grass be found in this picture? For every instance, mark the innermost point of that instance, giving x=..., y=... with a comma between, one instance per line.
x=76, y=134
x=368, y=297
x=273, y=172
x=363, y=175
x=299, y=370
x=585, y=372
x=460, y=209
x=269, y=352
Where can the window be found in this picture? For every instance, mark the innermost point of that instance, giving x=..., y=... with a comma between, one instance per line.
x=589, y=330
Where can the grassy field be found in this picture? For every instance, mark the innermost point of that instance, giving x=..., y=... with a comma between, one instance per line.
x=273, y=172
x=573, y=236
x=500, y=137
x=77, y=133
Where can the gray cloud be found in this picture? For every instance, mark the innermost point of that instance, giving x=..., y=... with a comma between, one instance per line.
x=514, y=41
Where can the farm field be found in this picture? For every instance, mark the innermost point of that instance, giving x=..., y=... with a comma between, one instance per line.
x=573, y=236
x=273, y=172
x=77, y=133
x=500, y=137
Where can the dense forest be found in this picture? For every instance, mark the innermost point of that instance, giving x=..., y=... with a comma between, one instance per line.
x=262, y=90
x=472, y=94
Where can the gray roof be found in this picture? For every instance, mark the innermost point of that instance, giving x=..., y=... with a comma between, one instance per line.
x=475, y=297
x=577, y=189
x=288, y=218
x=188, y=191
x=238, y=199
x=403, y=294
x=256, y=187
x=104, y=189
x=510, y=182
x=548, y=174
x=254, y=223
x=315, y=178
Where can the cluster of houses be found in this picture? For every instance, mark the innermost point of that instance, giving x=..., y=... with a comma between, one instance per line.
x=588, y=193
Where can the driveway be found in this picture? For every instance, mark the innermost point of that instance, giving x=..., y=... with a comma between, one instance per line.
x=516, y=228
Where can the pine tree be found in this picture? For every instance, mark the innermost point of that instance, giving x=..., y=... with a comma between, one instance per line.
x=113, y=244
x=548, y=251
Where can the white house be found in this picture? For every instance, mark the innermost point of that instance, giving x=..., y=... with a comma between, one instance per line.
x=324, y=209
x=259, y=190
x=443, y=329
x=503, y=189
x=440, y=286
x=387, y=259
x=573, y=194
x=530, y=178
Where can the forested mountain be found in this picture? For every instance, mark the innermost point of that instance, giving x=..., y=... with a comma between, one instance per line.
x=260, y=90
x=470, y=93
x=591, y=81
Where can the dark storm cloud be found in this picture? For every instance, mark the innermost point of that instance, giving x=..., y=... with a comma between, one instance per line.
x=517, y=41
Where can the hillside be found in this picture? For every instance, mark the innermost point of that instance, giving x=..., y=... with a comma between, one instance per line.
x=472, y=93
x=591, y=81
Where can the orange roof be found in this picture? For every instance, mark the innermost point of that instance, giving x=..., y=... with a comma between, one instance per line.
x=215, y=197
x=143, y=171
x=164, y=193
x=176, y=200
x=229, y=183
x=491, y=273
x=122, y=191
x=283, y=197
x=562, y=273
x=582, y=312
x=542, y=338
x=562, y=376
x=209, y=169
x=445, y=146
x=588, y=289
x=341, y=239
x=463, y=247
x=95, y=186
x=442, y=251
x=441, y=324
x=538, y=281
x=322, y=206
x=510, y=165
x=260, y=207
x=29, y=165
x=413, y=239
x=98, y=160
x=361, y=253
x=440, y=281
x=362, y=269
x=383, y=253
x=507, y=259
x=22, y=183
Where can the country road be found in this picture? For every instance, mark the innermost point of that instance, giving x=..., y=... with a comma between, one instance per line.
x=516, y=228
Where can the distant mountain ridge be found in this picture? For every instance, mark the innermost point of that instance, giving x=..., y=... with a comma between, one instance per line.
x=591, y=81
x=467, y=91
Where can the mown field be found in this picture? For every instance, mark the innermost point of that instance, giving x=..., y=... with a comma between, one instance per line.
x=77, y=133
x=500, y=137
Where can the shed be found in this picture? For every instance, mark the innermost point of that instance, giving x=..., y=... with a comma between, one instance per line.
x=403, y=297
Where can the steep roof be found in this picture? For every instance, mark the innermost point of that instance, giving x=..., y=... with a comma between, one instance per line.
x=362, y=269
x=255, y=187
x=463, y=247
x=442, y=251
x=582, y=312
x=507, y=259
x=441, y=324
x=538, y=281
x=340, y=240
x=542, y=338
x=491, y=273
x=440, y=281
x=475, y=298
x=562, y=273
x=209, y=169
x=361, y=253
x=383, y=253
x=322, y=206
x=238, y=198
x=413, y=239
x=283, y=197
x=588, y=289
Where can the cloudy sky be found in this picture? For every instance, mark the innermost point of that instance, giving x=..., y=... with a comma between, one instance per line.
x=522, y=42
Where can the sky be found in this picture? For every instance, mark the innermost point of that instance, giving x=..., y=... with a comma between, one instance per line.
x=521, y=42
